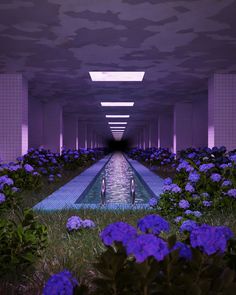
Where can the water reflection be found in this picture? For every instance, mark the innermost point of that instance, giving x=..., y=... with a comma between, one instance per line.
x=118, y=174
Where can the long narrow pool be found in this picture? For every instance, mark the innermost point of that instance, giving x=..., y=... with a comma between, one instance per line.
x=118, y=174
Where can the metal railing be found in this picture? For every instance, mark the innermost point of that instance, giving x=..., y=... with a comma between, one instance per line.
x=103, y=191
x=132, y=190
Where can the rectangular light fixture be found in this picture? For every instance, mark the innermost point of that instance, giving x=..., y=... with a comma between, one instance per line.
x=117, y=104
x=116, y=76
x=116, y=130
x=117, y=116
x=117, y=123
x=117, y=127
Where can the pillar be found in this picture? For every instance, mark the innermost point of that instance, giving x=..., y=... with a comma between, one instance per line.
x=182, y=137
x=82, y=135
x=165, y=130
x=200, y=122
x=13, y=116
x=35, y=123
x=70, y=131
x=154, y=133
x=222, y=111
x=53, y=126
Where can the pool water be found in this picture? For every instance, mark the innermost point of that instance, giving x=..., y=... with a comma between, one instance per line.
x=118, y=174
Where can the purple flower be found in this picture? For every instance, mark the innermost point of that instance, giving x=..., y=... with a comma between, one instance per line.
x=176, y=189
x=6, y=180
x=153, y=224
x=2, y=198
x=74, y=223
x=118, y=232
x=188, y=212
x=226, y=183
x=152, y=202
x=194, y=177
x=178, y=219
x=147, y=245
x=15, y=189
x=188, y=225
x=62, y=283
x=184, y=250
x=28, y=168
x=87, y=223
x=215, y=177
x=210, y=239
x=233, y=158
x=207, y=203
x=167, y=181
x=186, y=166
x=232, y=192
x=184, y=204
x=197, y=213
x=189, y=188
x=36, y=174
x=206, y=167
x=205, y=195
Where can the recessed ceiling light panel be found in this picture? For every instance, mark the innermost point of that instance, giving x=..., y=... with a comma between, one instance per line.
x=116, y=76
x=117, y=116
x=117, y=104
x=117, y=123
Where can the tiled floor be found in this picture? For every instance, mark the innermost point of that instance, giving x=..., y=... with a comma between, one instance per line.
x=66, y=196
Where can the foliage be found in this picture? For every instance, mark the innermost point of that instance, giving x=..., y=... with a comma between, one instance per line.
x=21, y=242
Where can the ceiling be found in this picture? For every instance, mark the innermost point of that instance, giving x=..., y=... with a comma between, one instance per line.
x=178, y=43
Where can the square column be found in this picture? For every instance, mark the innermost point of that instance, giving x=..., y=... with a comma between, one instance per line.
x=13, y=116
x=82, y=135
x=200, y=122
x=165, y=131
x=222, y=111
x=52, y=127
x=35, y=123
x=182, y=138
x=154, y=133
x=70, y=132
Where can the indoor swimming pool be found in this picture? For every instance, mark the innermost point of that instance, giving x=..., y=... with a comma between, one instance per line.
x=118, y=174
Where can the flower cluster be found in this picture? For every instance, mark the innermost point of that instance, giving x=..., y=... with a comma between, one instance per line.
x=75, y=222
x=62, y=283
x=153, y=224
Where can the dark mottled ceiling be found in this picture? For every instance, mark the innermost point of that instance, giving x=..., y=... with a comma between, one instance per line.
x=179, y=43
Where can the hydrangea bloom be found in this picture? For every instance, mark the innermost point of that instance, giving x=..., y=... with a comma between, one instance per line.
x=167, y=181
x=207, y=203
x=233, y=158
x=194, y=177
x=210, y=239
x=60, y=284
x=147, y=245
x=226, y=183
x=205, y=195
x=188, y=225
x=6, y=180
x=74, y=223
x=189, y=188
x=184, y=204
x=87, y=223
x=232, y=192
x=118, y=232
x=153, y=223
x=186, y=166
x=176, y=189
x=184, y=250
x=178, y=219
x=206, y=167
x=215, y=177
x=188, y=212
x=28, y=168
x=153, y=202
x=197, y=213
x=2, y=198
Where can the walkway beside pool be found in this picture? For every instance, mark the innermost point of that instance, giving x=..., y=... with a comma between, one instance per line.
x=66, y=196
x=152, y=180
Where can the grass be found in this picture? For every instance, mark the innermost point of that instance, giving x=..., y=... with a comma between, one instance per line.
x=77, y=251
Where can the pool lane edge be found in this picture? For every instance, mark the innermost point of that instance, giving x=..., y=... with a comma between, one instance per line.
x=149, y=178
x=66, y=196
